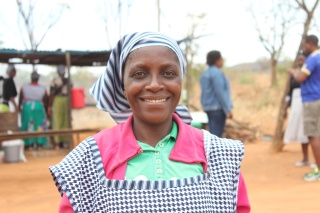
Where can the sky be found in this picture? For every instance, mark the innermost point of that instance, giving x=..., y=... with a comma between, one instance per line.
x=81, y=27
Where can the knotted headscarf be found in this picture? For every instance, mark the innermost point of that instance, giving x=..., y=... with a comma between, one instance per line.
x=10, y=68
x=108, y=89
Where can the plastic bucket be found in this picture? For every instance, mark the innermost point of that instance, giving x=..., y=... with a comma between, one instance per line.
x=77, y=97
x=11, y=151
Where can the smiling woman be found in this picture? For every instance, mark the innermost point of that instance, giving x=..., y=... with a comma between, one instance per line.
x=153, y=161
x=152, y=85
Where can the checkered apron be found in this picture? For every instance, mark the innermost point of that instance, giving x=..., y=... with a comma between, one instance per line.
x=81, y=176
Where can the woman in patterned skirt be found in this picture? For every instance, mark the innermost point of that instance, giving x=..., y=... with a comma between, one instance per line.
x=153, y=160
x=33, y=101
x=294, y=129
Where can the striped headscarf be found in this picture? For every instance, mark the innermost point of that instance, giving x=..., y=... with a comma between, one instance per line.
x=108, y=89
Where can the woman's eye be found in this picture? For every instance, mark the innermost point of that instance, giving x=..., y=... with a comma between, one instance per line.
x=169, y=73
x=139, y=74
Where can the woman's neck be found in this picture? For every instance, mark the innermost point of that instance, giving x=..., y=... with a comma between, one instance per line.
x=151, y=134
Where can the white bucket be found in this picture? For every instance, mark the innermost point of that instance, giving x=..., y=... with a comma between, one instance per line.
x=12, y=151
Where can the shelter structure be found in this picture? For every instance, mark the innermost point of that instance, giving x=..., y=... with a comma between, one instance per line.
x=75, y=58
x=68, y=58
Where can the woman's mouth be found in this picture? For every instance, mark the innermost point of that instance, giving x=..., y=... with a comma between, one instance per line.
x=155, y=100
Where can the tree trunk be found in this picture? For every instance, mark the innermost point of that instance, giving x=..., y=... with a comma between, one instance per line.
x=277, y=143
x=273, y=64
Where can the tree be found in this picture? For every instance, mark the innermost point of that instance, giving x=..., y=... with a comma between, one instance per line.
x=32, y=25
x=190, y=49
x=112, y=13
x=272, y=25
x=277, y=143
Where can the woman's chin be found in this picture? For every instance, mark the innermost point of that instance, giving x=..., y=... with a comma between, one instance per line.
x=156, y=118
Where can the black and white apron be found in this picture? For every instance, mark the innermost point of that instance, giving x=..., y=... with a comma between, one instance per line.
x=82, y=178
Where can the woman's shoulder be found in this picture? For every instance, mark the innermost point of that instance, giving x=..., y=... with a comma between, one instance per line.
x=217, y=142
x=110, y=137
x=108, y=132
x=8, y=81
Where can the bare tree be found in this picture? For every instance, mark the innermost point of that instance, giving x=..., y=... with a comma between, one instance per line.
x=32, y=25
x=190, y=48
x=277, y=143
x=113, y=13
x=272, y=23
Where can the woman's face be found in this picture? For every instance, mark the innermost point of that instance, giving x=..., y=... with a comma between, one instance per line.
x=219, y=62
x=12, y=73
x=152, y=83
x=301, y=60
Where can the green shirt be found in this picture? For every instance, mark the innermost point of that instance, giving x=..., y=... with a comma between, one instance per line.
x=154, y=163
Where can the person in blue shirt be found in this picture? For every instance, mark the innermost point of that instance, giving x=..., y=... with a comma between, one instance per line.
x=215, y=94
x=309, y=77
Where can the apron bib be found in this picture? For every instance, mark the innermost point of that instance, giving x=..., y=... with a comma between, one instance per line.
x=81, y=176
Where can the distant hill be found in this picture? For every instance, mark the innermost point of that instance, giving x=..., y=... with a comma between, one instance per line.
x=260, y=65
x=253, y=66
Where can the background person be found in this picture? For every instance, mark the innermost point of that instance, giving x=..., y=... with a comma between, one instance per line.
x=1, y=84
x=215, y=94
x=9, y=90
x=58, y=106
x=152, y=160
x=309, y=77
x=294, y=130
x=33, y=102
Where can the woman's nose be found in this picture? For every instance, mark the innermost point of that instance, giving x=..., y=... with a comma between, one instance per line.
x=155, y=83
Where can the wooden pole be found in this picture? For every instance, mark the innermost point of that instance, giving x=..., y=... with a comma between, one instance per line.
x=158, y=4
x=68, y=63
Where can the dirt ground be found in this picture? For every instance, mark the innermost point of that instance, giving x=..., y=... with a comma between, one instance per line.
x=274, y=183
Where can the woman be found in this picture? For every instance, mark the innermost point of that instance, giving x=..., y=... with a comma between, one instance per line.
x=58, y=106
x=152, y=161
x=9, y=90
x=33, y=101
x=294, y=129
x=215, y=94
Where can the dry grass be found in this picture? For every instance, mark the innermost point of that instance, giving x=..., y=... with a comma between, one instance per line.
x=254, y=101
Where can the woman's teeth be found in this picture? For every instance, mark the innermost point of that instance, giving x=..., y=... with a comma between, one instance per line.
x=155, y=101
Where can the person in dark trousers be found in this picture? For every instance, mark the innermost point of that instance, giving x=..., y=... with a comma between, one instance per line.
x=215, y=94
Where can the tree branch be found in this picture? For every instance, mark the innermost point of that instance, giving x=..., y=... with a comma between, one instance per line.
x=302, y=5
x=314, y=6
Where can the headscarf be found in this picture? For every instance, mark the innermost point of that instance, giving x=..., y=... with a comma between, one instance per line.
x=108, y=89
x=61, y=69
x=10, y=68
x=35, y=75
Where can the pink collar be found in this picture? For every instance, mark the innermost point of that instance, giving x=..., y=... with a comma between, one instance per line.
x=118, y=145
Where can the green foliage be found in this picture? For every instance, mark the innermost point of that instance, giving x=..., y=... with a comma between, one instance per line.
x=83, y=78
x=244, y=77
x=194, y=75
x=284, y=66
